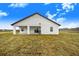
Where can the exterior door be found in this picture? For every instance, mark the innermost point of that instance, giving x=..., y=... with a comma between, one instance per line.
x=37, y=30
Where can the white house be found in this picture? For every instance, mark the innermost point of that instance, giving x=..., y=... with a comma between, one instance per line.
x=36, y=24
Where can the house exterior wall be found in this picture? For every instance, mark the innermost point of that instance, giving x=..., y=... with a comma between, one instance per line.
x=37, y=20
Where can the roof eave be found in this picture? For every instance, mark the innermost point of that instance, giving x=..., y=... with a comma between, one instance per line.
x=32, y=15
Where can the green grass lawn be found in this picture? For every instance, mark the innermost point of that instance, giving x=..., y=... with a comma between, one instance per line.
x=66, y=43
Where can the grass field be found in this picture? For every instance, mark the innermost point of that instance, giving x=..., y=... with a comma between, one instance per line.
x=66, y=43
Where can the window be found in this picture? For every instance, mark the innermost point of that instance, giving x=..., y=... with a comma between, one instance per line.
x=51, y=29
x=22, y=29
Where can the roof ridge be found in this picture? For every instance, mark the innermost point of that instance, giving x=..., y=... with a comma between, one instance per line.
x=32, y=15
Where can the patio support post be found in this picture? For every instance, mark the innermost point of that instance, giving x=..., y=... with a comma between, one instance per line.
x=28, y=30
x=20, y=30
x=14, y=30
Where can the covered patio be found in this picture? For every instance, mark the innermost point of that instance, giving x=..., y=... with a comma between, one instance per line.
x=27, y=30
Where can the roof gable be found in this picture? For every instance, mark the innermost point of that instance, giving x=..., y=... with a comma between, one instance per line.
x=35, y=14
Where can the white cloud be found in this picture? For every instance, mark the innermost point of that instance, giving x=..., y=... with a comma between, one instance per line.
x=68, y=7
x=5, y=26
x=58, y=10
x=60, y=20
x=50, y=16
x=2, y=13
x=15, y=5
x=65, y=8
x=61, y=14
x=69, y=25
x=73, y=25
x=65, y=24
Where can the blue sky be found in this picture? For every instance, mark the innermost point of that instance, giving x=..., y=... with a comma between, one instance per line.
x=66, y=14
